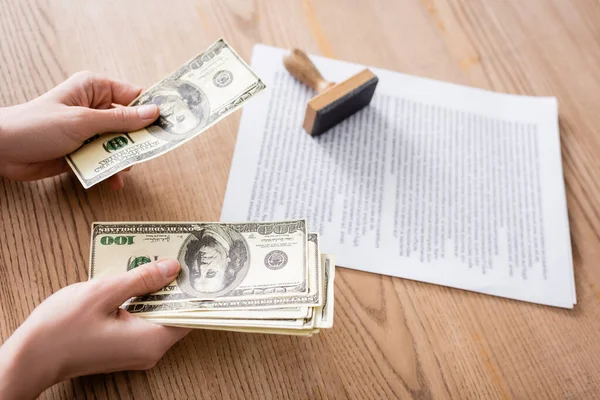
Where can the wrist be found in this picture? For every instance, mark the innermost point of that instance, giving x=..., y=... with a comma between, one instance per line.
x=3, y=120
x=24, y=371
x=4, y=112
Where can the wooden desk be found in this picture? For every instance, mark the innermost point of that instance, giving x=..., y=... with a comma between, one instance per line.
x=392, y=338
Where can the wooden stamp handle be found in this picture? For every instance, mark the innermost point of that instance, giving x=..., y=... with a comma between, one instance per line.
x=299, y=66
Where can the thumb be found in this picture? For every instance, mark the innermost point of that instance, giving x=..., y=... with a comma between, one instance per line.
x=120, y=119
x=145, y=279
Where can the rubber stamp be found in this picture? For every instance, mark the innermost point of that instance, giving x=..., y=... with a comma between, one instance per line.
x=334, y=102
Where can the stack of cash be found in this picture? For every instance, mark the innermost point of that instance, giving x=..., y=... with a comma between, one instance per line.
x=264, y=277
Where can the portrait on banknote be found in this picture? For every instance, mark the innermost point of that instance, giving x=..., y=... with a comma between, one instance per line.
x=183, y=107
x=214, y=261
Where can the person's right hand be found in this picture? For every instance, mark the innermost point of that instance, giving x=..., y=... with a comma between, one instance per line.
x=82, y=330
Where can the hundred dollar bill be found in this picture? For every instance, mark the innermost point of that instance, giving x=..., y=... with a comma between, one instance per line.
x=224, y=265
x=196, y=96
x=324, y=314
x=290, y=332
x=309, y=293
x=269, y=319
x=255, y=323
x=247, y=310
x=270, y=313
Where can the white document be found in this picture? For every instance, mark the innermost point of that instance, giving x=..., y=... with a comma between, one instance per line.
x=432, y=181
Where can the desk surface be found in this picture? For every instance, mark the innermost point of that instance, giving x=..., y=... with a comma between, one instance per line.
x=392, y=338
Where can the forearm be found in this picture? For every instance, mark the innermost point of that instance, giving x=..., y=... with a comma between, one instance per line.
x=23, y=373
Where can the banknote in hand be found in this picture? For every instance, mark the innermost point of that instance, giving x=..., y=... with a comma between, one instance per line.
x=197, y=95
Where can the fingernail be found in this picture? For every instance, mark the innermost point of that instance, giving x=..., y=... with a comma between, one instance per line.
x=147, y=111
x=168, y=267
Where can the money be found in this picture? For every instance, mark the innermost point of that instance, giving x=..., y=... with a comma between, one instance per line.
x=250, y=277
x=196, y=96
x=270, y=321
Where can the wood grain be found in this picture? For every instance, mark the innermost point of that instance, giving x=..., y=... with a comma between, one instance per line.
x=392, y=338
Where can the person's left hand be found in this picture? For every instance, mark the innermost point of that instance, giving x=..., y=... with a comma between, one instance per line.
x=35, y=136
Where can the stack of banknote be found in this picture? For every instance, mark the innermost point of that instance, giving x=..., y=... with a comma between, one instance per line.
x=264, y=277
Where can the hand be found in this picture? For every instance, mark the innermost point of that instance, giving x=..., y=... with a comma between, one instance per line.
x=81, y=330
x=35, y=136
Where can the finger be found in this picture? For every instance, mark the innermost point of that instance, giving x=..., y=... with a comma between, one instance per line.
x=119, y=119
x=142, y=280
x=102, y=91
x=155, y=339
x=94, y=90
x=122, y=92
x=165, y=336
x=116, y=182
x=168, y=334
x=171, y=335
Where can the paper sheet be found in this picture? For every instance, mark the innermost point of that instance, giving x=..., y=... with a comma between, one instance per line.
x=433, y=181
